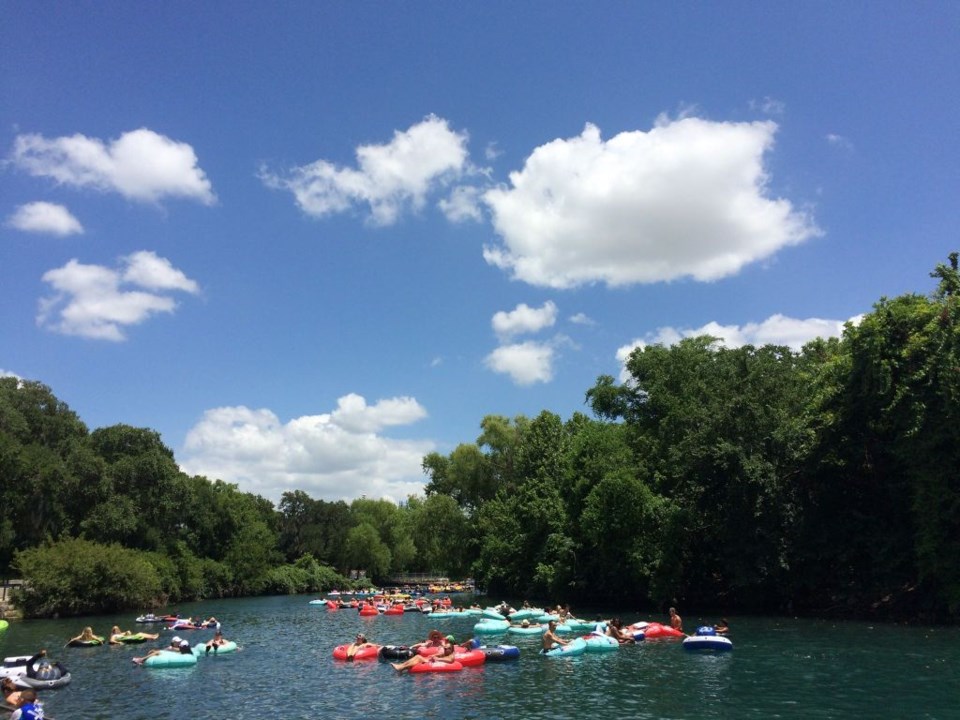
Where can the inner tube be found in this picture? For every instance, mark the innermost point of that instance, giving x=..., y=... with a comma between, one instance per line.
x=708, y=643
x=85, y=643
x=367, y=653
x=396, y=652
x=394, y=610
x=532, y=630
x=499, y=653
x=491, y=626
x=601, y=643
x=470, y=658
x=170, y=659
x=436, y=666
x=655, y=630
x=131, y=639
x=369, y=611
x=200, y=649
x=39, y=684
x=577, y=646
x=526, y=614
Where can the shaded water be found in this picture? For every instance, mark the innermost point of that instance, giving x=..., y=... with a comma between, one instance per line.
x=778, y=669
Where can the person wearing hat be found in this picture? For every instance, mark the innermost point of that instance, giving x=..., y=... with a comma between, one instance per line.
x=359, y=642
x=434, y=639
x=177, y=645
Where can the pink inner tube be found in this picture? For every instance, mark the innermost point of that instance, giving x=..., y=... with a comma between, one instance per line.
x=367, y=653
x=426, y=667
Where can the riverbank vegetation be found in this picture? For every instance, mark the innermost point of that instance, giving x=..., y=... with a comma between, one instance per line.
x=750, y=479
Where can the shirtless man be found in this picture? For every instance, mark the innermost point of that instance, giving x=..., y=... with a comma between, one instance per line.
x=550, y=639
x=676, y=622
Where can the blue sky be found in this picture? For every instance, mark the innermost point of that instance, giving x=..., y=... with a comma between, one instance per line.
x=310, y=242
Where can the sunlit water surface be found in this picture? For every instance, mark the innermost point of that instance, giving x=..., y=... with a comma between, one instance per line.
x=779, y=668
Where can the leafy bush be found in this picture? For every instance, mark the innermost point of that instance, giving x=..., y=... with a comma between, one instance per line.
x=79, y=577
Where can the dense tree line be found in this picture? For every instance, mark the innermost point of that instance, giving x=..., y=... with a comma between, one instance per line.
x=823, y=481
x=106, y=520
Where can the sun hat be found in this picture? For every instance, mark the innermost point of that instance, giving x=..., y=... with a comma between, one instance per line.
x=176, y=639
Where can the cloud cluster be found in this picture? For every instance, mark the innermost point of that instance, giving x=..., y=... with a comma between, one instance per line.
x=98, y=302
x=388, y=179
x=524, y=319
x=686, y=199
x=530, y=361
x=140, y=165
x=44, y=217
x=526, y=363
x=336, y=455
x=775, y=330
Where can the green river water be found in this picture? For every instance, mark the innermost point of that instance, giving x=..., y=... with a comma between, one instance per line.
x=779, y=668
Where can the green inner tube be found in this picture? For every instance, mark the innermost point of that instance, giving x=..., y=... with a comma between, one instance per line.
x=130, y=639
x=85, y=643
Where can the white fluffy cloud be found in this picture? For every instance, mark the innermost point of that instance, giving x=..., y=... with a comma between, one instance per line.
x=45, y=217
x=141, y=165
x=687, y=198
x=463, y=204
x=526, y=363
x=775, y=330
x=98, y=302
x=388, y=179
x=524, y=319
x=338, y=455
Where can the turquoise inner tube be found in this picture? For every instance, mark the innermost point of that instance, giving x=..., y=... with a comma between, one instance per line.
x=491, y=626
x=170, y=659
x=577, y=646
x=200, y=649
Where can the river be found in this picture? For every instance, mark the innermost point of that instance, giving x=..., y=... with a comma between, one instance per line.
x=779, y=668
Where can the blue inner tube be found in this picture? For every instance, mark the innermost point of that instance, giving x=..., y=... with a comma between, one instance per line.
x=500, y=653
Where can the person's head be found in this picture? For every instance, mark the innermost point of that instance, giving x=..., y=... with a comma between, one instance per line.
x=673, y=611
x=218, y=634
x=8, y=686
x=27, y=696
x=176, y=640
x=552, y=625
x=361, y=638
x=435, y=637
x=525, y=623
x=115, y=630
x=447, y=649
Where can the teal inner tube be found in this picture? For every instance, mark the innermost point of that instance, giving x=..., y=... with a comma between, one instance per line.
x=575, y=647
x=200, y=649
x=170, y=659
